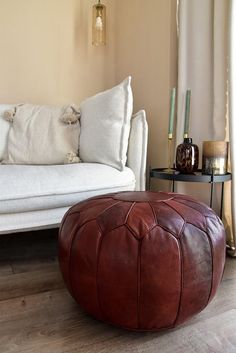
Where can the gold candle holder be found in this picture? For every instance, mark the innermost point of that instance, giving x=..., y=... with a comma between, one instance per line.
x=171, y=128
x=215, y=157
x=170, y=142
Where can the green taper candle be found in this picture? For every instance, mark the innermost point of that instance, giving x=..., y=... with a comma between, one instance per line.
x=172, y=113
x=187, y=113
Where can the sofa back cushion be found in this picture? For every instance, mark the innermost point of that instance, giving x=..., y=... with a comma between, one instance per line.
x=105, y=126
x=137, y=151
x=4, y=130
x=43, y=135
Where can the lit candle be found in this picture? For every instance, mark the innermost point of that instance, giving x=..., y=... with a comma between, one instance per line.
x=172, y=113
x=187, y=113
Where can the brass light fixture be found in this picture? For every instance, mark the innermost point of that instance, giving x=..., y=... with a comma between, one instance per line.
x=99, y=24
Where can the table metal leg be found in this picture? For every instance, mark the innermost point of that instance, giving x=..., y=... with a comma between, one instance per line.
x=222, y=200
x=212, y=192
x=231, y=249
x=173, y=186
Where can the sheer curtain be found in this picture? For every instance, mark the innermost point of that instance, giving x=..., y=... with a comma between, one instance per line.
x=202, y=67
x=230, y=211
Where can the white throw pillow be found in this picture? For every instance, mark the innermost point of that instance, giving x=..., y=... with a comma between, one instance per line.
x=4, y=130
x=105, y=126
x=43, y=135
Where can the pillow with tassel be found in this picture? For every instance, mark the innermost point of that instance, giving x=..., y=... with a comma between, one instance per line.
x=42, y=134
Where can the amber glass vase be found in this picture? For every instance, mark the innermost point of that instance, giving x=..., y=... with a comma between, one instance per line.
x=187, y=156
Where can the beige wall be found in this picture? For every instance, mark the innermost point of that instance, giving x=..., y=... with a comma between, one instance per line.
x=47, y=56
x=146, y=49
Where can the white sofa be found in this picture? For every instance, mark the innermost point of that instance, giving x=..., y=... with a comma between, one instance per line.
x=37, y=196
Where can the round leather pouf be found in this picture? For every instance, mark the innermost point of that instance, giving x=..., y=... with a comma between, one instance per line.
x=142, y=260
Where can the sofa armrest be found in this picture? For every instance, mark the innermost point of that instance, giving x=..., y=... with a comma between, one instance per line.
x=137, y=150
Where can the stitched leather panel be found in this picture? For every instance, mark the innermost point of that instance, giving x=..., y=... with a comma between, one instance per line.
x=142, y=260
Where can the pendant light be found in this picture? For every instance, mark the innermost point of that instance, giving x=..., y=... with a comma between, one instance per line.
x=99, y=24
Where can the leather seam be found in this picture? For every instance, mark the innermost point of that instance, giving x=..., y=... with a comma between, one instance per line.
x=154, y=214
x=132, y=232
x=139, y=283
x=150, y=230
x=128, y=213
x=107, y=208
x=172, y=207
x=192, y=208
x=95, y=218
x=195, y=202
x=95, y=206
x=204, y=230
x=181, y=277
x=97, y=282
x=197, y=226
x=169, y=230
x=181, y=230
x=74, y=232
x=212, y=269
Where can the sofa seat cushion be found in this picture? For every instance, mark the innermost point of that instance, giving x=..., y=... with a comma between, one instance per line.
x=29, y=188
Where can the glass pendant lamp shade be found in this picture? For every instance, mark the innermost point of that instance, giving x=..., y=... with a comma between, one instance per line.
x=99, y=24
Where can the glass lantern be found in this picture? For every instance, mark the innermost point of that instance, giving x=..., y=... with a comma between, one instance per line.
x=99, y=24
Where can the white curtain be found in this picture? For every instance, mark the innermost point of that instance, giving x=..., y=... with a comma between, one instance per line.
x=202, y=67
x=232, y=122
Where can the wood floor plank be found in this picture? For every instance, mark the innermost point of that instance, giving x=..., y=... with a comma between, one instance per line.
x=208, y=336
x=15, y=308
x=30, y=265
x=51, y=318
x=230, y=269
x=27, y=283
x=5, y=269
x=38, y=315
x=73, y=335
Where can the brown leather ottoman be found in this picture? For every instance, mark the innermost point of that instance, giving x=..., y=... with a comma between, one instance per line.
x=142, y=260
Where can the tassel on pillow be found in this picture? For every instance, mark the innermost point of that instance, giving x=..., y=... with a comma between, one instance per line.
x=71, y=157
x=71, y=115
x=9, y=115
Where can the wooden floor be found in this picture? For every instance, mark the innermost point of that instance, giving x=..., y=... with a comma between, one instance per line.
x=38, y=315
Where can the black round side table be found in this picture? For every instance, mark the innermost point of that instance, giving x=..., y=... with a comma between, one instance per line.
x=198, y=177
